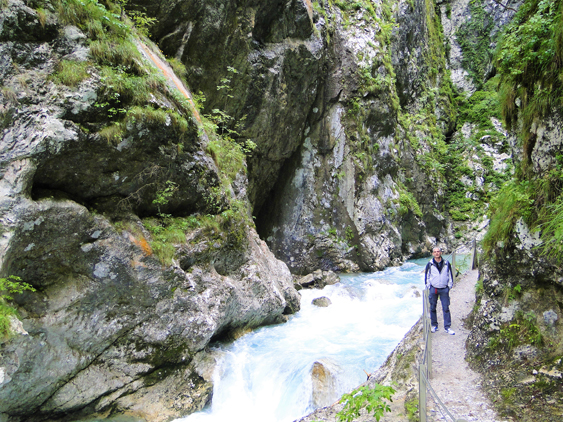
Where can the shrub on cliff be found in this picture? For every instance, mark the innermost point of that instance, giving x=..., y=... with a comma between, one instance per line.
x=9, y=286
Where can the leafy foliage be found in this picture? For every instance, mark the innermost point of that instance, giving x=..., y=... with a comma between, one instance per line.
x=8, y=286
x=372, y=399
x=163, y=196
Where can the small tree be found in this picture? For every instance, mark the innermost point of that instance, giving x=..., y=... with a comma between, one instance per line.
x=9, y=286
x=365, y=397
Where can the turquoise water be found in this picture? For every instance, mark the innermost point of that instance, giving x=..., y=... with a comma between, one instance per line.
x=265, y=376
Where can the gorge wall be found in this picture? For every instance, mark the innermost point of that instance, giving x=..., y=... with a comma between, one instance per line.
x=322, y=88
x=114, y=325
x=339, y=136
x=517, y=337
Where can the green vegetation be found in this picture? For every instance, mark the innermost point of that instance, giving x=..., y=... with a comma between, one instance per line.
x=523, y=329
x=474, y=38
x=376, y=77
x=70, y=73
x=164, y=195
x=507, y=394
x=126, y=98
x=227, y=229
x=529, y=60
x=127, y=83
x=513, y=201
x=538, y=202
x=407, y=201
x=10, y=95
x=319, y=9
x=468, y=202
x=228, y=153
x=9, y=286
x=372, y=399
x=552, y=230
x=422, y=129
x=411, y=407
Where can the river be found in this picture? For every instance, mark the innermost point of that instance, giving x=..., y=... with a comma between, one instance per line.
x=265, y=376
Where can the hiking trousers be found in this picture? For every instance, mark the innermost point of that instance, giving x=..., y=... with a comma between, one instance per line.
x=444, y=295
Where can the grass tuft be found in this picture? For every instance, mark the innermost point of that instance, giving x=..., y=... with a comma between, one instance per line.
x=113, y=133
x=70, y=73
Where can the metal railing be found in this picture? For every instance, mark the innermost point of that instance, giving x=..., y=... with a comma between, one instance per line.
x=425, y=367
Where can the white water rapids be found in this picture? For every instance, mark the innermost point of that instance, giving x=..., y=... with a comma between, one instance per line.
x=265, y=376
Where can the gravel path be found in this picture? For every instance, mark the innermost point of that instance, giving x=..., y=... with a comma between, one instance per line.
x=457, y=386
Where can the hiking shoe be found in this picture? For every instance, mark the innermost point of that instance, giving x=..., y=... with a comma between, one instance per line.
x=450, y=331
x=434, y=329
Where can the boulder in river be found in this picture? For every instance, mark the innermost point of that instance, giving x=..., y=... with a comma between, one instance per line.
x=317, y=279
x=322, y=302
x=324, y=379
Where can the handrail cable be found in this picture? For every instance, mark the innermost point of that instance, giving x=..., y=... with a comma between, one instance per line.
x=441, y=406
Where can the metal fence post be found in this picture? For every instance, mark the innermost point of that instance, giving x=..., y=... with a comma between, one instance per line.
x=429, y=353
x=474, y=255
x=422, y=393
x=453, y=266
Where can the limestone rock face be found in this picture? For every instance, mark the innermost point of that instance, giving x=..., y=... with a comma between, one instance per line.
x=300, y=78
x=110, y=329
x=278, y=63
x=460, y=25
x=516, y=335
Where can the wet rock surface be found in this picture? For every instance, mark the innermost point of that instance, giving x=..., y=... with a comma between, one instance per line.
x=317, y=279
x=322, y=302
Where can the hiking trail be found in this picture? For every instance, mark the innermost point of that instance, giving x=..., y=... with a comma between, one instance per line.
x=455, y=383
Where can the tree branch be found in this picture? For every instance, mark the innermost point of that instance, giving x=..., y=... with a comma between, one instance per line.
x=506, y=7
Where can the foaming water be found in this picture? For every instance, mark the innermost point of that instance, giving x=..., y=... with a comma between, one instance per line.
x=265, y=376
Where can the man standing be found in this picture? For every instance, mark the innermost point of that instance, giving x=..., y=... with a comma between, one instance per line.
x=439, y=279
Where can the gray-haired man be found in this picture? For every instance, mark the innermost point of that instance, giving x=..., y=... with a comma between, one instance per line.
x=439, y=279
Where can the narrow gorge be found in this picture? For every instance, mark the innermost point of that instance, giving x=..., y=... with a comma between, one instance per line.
x=170, y=169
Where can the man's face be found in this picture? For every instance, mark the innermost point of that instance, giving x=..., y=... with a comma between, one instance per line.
x=437, y=254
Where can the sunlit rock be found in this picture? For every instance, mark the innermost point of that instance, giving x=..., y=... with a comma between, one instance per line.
x=324, y=378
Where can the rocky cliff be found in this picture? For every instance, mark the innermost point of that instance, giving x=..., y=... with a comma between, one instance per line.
x=332, y=182
x=517, y=339
x=92, y=138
